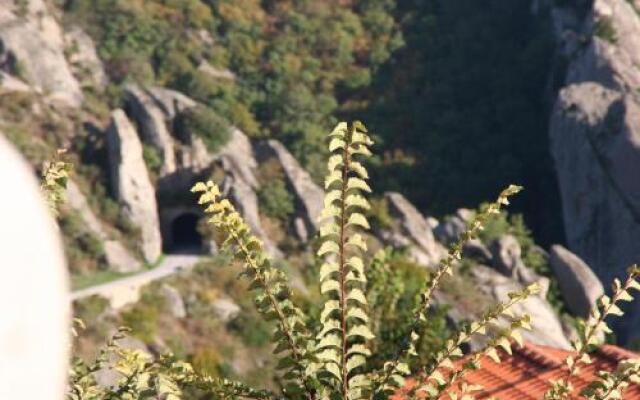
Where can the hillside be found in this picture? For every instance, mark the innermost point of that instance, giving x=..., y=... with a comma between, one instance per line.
x=149, y=97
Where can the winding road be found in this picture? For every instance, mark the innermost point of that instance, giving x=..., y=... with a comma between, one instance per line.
x=121, y=292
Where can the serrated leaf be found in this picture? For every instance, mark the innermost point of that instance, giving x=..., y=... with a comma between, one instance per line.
x=327, y=269
x=356, y=263
x=329, y=229
x=359, y=220
x=437, y=376
x=356, y=200
x=359, y=169
x=355, y=361
x=329, y=307
x=357, y=184
x=355, y=277
x=329, y=213
x=625, y=296
x=358, y=348
x=334, y=162
x=330, y=341
x=357, y=312
x=505, y=344
x=336, y=143
x=357, y=295
x=333, y=178
x=329, y=286
x=329, y=326
x=360, y=331
x=356, y=240
x=328, y=247
x=331, y=197
x=340, y=130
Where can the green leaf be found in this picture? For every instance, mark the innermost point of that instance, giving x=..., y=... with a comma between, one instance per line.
x=340, y=130
x=327, y=269
x=355, y=361
x=329, y=212
x=331, y=341
x=329, y=286
x=359, y=220
x=493, y=354
x=334, y=370
x=358, y=348
x=328, y=247
x=356, y=200
x=329, y=307
x=329, y=229
x=356, y=240
x=333, y=178
x=355, y=277
x=357, y=312
x=334, y=162
x=332, y=197
x=329, y=326
x=356, y=263
x=360, y=149
x=359, y=169
x=360, y=331
x=357, y=295
x=358, y=184
x=336, y=143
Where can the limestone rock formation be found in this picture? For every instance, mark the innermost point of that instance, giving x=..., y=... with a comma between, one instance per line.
x=595, y=141
x=507, y=259
x=547, y=328
x=579, y=285
x=174, y=301
x=152, y=125
x=118, y=257
x=85, y=64
x=412, y=230
x=35, y=48
x=170, y=101
x=131, y=184
x=309, y=196
x=449, y=230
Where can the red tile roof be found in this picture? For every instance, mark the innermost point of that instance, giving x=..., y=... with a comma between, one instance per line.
x=525, y=374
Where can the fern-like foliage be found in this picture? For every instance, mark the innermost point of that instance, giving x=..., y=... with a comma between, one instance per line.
x=272, y=292
x=397, y=369
x=591, y=333
x=342, y=342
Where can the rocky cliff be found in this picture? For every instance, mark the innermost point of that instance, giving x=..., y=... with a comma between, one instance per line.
x=595, y=138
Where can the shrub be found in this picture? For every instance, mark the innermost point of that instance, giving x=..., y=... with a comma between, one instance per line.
x=275, y=200
x=203, y=122
x=152, y=158
x=605, y=30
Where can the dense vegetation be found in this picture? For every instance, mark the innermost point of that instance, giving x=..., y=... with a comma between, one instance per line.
x=434, y=78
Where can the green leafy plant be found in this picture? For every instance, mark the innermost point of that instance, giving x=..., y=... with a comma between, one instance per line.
x=203, y=122
x=275, y=200
x=55, y=175
x=332, y=358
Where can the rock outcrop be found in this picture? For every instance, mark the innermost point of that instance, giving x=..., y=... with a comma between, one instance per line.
x=34, y=46
x=449, y=230
x=152, y=125
x=412, y=231
x=507, y=259
x=174, y=301
x=579, y=285
x=84, y=61
x=118, y=257
x=309, y=196
x=131, y=184
x=226, y=309
x=547, y=328
x=595, y=141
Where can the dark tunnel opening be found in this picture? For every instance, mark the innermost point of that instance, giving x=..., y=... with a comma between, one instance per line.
x=185, y=237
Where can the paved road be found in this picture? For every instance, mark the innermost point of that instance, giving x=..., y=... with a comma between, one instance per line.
x=127, y=290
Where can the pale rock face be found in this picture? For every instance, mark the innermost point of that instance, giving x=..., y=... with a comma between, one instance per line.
x=170, y=101
x=174, y=301
x=595, y=143
x=226, y=309
x=413, y=226
x=36, y=41
x=118, y=257
x=153, y=128
x=34, y=305
x=507, y=259
x=309, y=196
x=131, y=183
x=579, y=285
x=547, y=328
x=83, y=58
x=237, y=155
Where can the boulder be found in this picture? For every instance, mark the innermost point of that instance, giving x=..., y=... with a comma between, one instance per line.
x=476, y=250
x=579, y=284
x=34, y=289
x=547, y=328
x=309, y=196
x=118, y=257
x=131, y=184
x=413, y=230
x=174, y=301
x=85, y=64
x=35, y=49
x=152, y=125
x=449, y=230
x=507, y=259
x=226, y=309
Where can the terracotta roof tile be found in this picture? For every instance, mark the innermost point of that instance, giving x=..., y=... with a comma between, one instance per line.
x=525, y=374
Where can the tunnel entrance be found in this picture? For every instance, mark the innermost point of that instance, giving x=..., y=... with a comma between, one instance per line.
x=185, y=237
